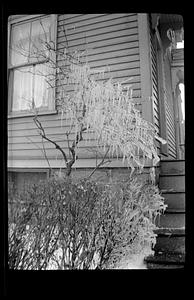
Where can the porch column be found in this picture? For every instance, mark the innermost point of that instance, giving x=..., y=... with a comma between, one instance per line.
x=145, y=67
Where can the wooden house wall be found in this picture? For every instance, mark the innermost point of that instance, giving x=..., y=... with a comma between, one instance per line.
x=111, y=40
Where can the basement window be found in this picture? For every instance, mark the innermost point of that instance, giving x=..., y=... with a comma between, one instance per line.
x=22, y=179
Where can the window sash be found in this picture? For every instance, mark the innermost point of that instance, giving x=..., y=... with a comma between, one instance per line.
x=26, y=41
x=30, y=88
x=46, y=103
x=22, y=88
x=20, y=51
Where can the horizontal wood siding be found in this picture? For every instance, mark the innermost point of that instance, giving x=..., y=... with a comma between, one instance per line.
x=111, y=41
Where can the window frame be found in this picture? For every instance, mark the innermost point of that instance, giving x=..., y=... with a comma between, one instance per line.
x=16, y=19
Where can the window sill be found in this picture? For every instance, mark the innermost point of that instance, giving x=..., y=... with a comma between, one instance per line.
x=30, y=114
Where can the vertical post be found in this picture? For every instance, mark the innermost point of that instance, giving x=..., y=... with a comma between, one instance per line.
x=161, y=90
x=175, y=105
x=145, y=67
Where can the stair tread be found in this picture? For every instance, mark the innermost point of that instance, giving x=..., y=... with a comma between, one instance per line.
x=171, y=160
x=170, y=191
x=171, y=220
x=171, y=174
x=172, y=168
x=170, y=243
x=174, y=210
x=166, y=258
x=163, y=266
x=170, y=231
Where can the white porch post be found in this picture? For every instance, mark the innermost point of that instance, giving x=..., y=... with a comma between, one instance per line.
x=145, y=67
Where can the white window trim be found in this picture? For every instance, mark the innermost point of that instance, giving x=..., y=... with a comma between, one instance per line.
x=20, y=18
x=52, y=106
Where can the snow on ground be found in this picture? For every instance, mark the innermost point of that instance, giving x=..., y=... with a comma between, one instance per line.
x=135, y=261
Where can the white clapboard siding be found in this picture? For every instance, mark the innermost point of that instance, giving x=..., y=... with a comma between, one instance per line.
x=89, y=19
x=111, y=41
x=19, y=128
x=77, y=34
x=35, y=153
x=93, y=43
x=128, y=76
x=36, y=143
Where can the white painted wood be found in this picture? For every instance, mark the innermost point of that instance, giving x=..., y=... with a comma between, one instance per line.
x=81, y=45
x=81, y=163
x=84, y=39
x=100, y=22
x=96, y=30
x=88, y=19
x=145, y=68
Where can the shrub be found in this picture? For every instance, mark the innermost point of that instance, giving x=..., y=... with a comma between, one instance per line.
x=140, y=203
x=82, y=224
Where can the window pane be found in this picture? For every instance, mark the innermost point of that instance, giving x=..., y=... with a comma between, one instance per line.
x=42, y=90
x=20, y=43
x=39, y=35
x=22, y=89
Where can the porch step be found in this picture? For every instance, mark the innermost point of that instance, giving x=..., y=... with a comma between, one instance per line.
x=171, y=232
x=170, y=244
x=167, y=260
x=172, y=181
x=171, y=219
x=174, y=200
x=163, y=266
x=170, y=240
x=172, y=167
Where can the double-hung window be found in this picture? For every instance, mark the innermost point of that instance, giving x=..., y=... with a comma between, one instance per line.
x=31, y=71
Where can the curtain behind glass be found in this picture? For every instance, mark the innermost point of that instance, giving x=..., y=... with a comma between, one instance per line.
x=22, y=89
x=42, y=90
x=26, y=87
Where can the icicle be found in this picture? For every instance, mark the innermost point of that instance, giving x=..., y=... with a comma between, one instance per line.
x=160, y=139
x=61, y=118
x=131, y=93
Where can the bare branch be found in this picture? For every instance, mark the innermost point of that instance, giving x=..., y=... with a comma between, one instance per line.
x=42, y=133
x=102, y=162
x=67, y=134
x=45, y=155
x=79, y=138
